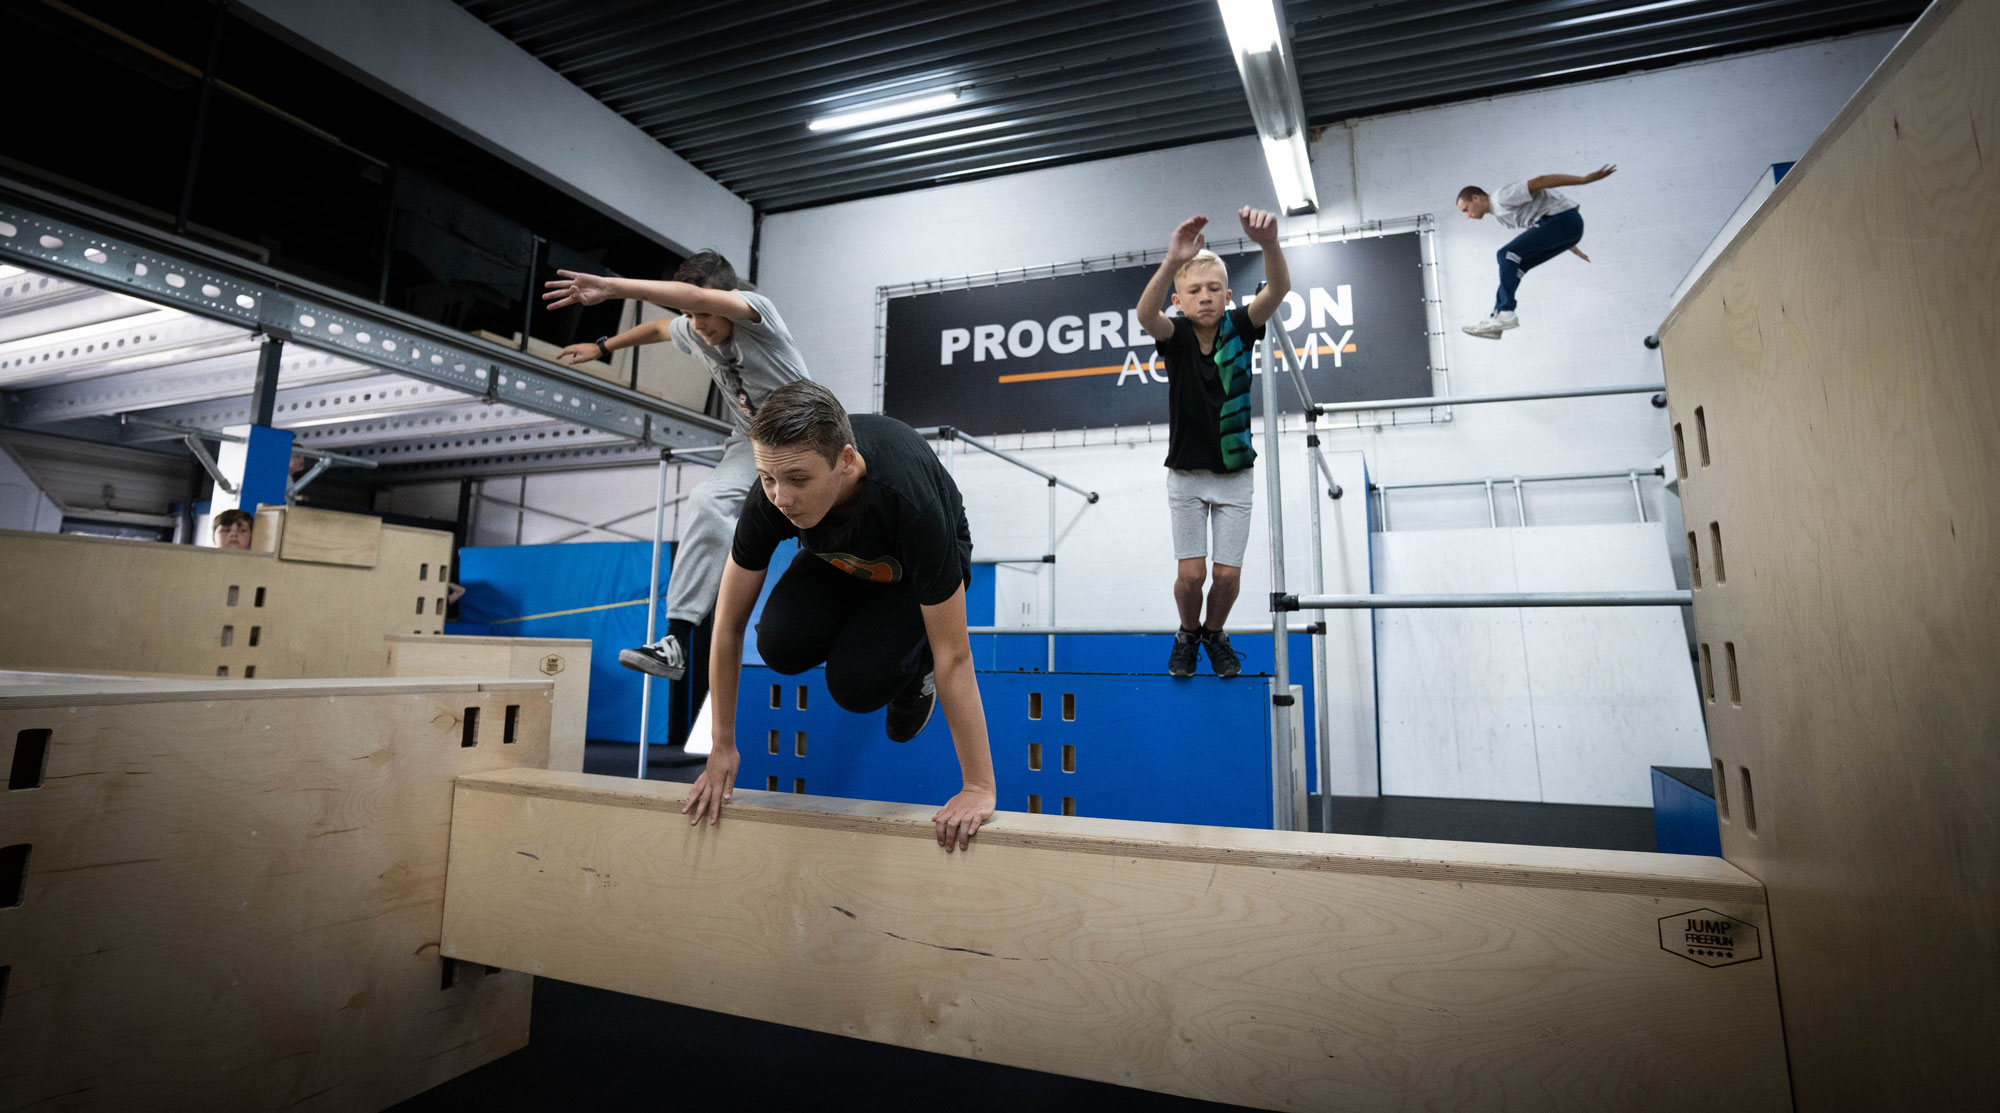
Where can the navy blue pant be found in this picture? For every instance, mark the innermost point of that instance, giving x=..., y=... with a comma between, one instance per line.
x=1548, y=238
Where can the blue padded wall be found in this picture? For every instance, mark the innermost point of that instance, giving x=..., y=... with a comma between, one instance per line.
x=1684, y=819
x=1140, y=747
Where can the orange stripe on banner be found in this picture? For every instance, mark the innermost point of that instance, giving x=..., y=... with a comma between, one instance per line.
x=1081, y=372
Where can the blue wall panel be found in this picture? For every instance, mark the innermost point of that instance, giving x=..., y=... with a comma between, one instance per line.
x=1684, y=820
x=1141, y=747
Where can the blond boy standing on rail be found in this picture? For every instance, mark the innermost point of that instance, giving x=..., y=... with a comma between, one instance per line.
x=1207, y=351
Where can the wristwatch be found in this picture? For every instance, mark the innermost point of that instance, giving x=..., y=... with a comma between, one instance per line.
x=603, y=352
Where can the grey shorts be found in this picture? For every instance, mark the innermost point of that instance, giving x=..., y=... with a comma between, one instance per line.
x=1201, y=500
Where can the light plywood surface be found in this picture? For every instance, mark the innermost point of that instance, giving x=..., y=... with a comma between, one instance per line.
x=1841, y=356
x=1271, y=969
x=85, y=604
x=325, y=536
x=234, y=903
x=565, y=662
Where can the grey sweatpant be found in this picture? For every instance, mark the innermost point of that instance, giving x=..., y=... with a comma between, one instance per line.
x=708, y=529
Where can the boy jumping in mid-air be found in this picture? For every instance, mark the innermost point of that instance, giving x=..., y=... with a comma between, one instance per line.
x=1553, y=225
x=749, y=353
x=877, y=590
x=1209, y=481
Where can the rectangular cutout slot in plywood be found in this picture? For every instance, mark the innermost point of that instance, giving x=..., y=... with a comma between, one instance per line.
x=565, y=662
x=281, y=919
x=31, y=758
x=1483, y=972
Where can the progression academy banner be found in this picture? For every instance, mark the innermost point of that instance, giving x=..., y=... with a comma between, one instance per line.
x=1068, y=353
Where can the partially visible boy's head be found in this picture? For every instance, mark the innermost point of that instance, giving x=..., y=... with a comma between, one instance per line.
x=709, y=270
x=1201, y=289
x=803, y=445
x=231, y=529
x=1473, y=202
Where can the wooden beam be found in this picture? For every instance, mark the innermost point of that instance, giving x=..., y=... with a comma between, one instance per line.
x=1835, y=409
x=1272, y=969
x=563, y=661
x=230, y=893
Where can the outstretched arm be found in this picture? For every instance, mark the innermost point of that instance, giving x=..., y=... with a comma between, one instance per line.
x=958, y=697
x=1551, y=181
x=1186, y=241
x=577, y=288
x=651, y=332
x=1262, y=228
x=733, y=604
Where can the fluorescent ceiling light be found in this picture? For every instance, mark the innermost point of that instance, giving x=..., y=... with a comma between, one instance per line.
x=886, y=110
x=1271, y=86
x=1252, y=25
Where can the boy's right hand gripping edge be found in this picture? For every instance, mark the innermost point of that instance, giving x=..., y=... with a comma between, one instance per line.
x=715, y=787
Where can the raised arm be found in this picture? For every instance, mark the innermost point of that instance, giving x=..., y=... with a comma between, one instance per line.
x=1552, y=181
x=733, y=604
x=650, y=332
x=577, y=288
x=1262, y=228
x=958, y=696
x=1181, y=246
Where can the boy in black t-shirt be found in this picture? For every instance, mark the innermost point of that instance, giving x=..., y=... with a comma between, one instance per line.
x=1209, y=482
x=877, y=590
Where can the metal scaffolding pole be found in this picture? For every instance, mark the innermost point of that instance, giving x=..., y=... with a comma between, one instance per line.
x=954, y=434
x=1052, y=571
x=652, y=613
x=1497, y=599
x=1316, y=467
x=1480, y=399
x=1285, y=812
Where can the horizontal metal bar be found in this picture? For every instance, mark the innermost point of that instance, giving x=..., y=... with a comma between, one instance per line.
x=111, y=252
x=1622, y=473
x=1481, y=399
x=1113, y=631
x=203, y=378
x=310, y=453
x=533, y=461
x=1497, y=599
x=954, y=434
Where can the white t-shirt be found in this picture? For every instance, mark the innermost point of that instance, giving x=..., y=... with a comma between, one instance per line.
x=1516, y=207
x=758, y=358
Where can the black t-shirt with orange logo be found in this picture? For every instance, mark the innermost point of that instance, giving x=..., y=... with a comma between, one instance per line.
x=907, y=523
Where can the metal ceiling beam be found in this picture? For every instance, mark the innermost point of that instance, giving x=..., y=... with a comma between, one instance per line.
x=117, y=346
x=586, y=458
x=28, y=290
x=116, y=254
x=194, y=380
x=459, y=420
x=304, y=406
x=545, y=437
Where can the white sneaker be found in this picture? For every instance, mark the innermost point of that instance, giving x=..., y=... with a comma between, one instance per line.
x=1491, y=327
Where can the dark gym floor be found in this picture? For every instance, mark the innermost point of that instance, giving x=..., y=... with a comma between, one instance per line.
x=597, y=1050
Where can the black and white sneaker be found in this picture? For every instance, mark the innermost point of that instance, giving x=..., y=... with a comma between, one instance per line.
x=911, y=710
x=665, y=658
x=1221, y=655
x=1180, y=661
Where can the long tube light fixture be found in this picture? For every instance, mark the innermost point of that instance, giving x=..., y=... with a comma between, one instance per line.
x=1271, y=84
x=886, y=110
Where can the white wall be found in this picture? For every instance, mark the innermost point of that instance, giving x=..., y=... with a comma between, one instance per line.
x=1689, y=143
x=23, y=506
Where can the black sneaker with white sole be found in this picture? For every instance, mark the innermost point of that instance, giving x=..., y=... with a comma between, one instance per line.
x=665, y=658
x=911, y=710
x=1221, y=655
x=1181, y=659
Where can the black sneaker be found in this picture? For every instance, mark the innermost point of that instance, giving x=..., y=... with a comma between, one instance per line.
x=911, y=710
x=664, y=658
x=1180, y=662
x=1221, y=655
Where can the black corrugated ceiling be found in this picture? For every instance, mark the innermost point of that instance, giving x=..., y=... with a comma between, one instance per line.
x=731, y=88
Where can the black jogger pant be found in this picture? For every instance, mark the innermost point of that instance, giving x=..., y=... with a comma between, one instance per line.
x=871, y=636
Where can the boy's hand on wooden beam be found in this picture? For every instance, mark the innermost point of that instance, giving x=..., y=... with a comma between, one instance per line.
x=961, y=816
x=715, y=787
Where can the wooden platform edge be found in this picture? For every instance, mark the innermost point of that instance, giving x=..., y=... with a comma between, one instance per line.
x=27, y=696
x=1683, y=876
